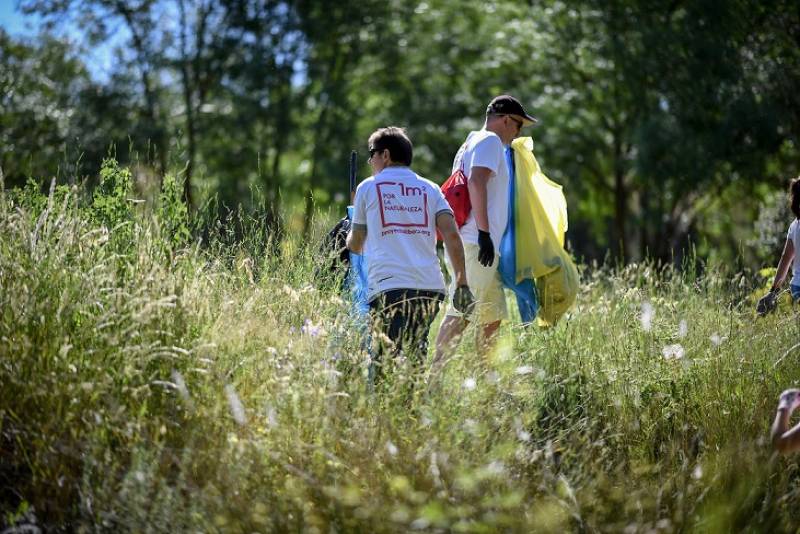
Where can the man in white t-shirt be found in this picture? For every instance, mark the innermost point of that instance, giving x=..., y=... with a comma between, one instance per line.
x=395, y=217
x=482, y=158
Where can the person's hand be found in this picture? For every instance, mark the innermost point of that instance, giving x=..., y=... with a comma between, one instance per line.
x=789, y=400
x=767, y=303
x=485, y=248
x=463, y=300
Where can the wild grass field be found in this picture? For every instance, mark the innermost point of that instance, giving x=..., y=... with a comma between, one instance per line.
x=152, y=381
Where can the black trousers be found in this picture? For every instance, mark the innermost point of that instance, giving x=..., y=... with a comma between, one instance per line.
x=404, y=316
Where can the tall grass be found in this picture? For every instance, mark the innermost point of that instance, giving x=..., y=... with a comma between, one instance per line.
x=152, y=382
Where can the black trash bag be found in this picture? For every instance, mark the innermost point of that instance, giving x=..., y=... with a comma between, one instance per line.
x=333, y=250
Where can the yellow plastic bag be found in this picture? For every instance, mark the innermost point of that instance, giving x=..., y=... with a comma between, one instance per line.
x=540, y=212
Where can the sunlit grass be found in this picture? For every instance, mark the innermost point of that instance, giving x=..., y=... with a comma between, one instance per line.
x=149, y=386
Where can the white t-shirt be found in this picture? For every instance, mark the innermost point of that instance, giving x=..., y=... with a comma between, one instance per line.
x=399, y=209
x=794, y=235
x=485, y=149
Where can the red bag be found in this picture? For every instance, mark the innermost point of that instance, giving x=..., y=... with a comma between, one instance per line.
x=456, y=192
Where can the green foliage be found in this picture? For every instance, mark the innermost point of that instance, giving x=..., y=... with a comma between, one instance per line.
x=172, y=212
x=112, y=205
x=222, y=388
x=274, y=95
x=30, y=198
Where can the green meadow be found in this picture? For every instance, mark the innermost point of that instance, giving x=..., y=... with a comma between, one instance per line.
x=163, y=375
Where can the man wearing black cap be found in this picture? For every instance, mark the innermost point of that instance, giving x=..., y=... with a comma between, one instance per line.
x=482, y=159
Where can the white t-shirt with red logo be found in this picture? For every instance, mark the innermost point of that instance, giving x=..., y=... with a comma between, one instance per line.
x=485, y=149
x=399, y=209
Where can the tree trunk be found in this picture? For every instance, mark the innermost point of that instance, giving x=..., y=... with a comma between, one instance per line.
x=188, y=103
x=282, y=127
x=620, y=203
x=620, y=216
x=338, y=61
x=151, y=104
x=191, y=144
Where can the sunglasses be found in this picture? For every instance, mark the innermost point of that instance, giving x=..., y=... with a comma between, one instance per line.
x=373, y=151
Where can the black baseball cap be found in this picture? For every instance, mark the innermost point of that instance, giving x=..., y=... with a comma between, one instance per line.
x=508, y=105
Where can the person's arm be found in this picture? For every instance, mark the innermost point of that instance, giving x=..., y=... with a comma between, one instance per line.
x=785, y=441
x=478, y=179
x=356, y=237
x=446, y=224
x=783, y=265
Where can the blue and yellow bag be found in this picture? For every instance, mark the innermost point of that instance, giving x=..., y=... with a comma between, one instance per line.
x=533, y=245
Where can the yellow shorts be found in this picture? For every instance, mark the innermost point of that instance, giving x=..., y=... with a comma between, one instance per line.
x=485, y=284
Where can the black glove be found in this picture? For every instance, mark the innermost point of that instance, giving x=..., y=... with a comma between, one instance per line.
x=767, y=303
x=463, y=300
x=486, y=248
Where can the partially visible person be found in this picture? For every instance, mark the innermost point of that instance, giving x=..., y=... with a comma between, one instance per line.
x=395, y=218
x=786, y=440
x=768, y=302
x=483, y=160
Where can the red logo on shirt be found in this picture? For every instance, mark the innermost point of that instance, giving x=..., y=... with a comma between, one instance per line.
x=402, y=205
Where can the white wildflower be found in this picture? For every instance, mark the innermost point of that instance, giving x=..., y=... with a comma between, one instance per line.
x=673, y=352
x=272, y=416
x=524, y=370
x=697, y=474
x=647, y=316
x=683, y=328
x=496, y=468
x=469, y=384
x=391, y=448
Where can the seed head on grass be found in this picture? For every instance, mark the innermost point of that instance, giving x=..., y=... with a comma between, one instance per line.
x=180, y=384
x=235, y=405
